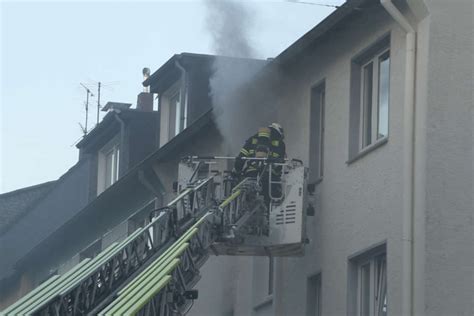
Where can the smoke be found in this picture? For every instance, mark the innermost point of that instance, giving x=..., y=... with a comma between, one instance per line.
x=230, y=24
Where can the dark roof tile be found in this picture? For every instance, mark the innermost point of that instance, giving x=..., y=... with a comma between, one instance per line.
x=15, y=204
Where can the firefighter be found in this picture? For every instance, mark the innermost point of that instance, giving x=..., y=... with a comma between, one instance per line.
x=267, y=143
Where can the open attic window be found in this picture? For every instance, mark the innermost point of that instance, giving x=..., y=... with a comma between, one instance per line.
x=174, y=112
x=108, y=164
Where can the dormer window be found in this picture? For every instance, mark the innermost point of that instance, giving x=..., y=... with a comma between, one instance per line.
x=108, y=164
x=174, y=112
x=177, y=114
x=112, y=159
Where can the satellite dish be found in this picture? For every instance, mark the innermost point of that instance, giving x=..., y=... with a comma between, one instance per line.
x=146, y=72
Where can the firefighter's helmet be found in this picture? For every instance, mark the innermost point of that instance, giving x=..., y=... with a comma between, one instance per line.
x=277, y=127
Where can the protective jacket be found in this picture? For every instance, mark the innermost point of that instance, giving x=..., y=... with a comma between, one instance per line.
x=267, y=143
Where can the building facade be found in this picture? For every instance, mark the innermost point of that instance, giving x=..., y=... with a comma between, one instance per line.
x=365, y=101
x=377, y=102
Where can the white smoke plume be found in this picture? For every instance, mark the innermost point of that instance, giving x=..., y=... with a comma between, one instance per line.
x=230, y=24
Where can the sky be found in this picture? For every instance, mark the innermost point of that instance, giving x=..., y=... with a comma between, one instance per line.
x=48, y=48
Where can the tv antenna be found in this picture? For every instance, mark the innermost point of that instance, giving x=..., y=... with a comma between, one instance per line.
x=88, y=93
x=100, y=86
x=98, y=102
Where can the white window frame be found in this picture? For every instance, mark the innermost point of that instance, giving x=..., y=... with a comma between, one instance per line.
x=175, y=113
x=112, y=147
x=377, y=285
x=371, y=55
x=173, y=119
x=374, y=99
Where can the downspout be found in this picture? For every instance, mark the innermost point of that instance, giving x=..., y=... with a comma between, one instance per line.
x=183, y=91
x=408, y=159
x=122, y=142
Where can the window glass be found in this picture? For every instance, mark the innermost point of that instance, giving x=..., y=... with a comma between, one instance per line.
x=368, y=284
x=176, y=104
x=112, y=161
x=117, y=163
x=108, y=164
x=384, y=75
x=381, y=285
x=367, y=74
x=109, y=167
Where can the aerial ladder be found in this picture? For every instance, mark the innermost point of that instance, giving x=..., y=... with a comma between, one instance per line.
x=155, y=269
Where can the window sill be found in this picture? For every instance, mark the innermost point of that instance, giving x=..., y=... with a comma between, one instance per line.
x=265, y=301
x=368, y=149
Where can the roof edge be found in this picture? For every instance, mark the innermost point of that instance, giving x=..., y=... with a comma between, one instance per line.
x=319, y=30
x=24, y=189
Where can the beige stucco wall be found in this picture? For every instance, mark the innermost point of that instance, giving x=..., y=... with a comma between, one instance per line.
x=449, y=175
x=360, y=204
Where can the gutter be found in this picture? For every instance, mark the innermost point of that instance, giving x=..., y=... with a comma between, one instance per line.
x=183, y=91
x=408, y=217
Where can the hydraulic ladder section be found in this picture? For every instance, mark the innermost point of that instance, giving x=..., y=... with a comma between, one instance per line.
x=94, y=283
x=153, y=271
x=169, y=274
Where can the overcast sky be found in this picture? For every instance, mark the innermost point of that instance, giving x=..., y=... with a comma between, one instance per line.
x=49, y=48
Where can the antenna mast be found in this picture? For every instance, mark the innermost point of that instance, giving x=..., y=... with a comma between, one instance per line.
x=88, y=93
x=98, y=102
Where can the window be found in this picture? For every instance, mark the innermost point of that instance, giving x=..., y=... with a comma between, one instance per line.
x=271, y=267
x=370, y=86
x=317, y=133
x=177, y=114
x=175, y=106
x=262, y=290
x=369, y=284
x=263, y=280
x=374, y=92
x=108, y=165
x=112, y=159
x=313, y=299
x=173, y=112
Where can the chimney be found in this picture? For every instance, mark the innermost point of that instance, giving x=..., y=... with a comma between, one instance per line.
x=145, y=101
x=145, y=98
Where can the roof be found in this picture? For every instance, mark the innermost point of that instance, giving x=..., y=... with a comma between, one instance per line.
x=109, y=122
x=128, y=182
x=170, y=72
x=15, y=204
